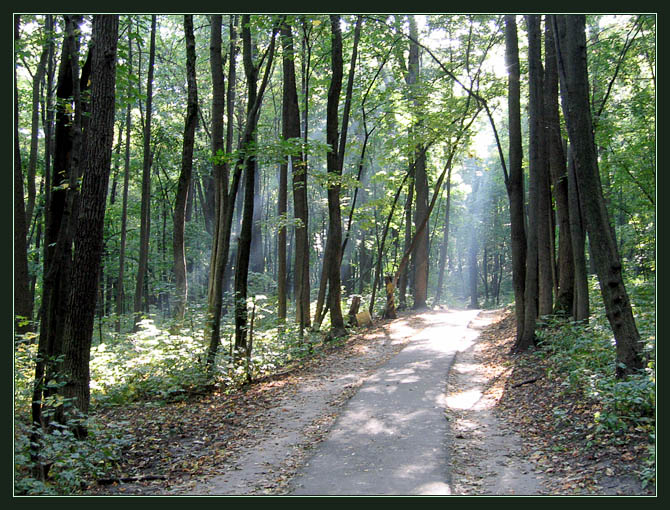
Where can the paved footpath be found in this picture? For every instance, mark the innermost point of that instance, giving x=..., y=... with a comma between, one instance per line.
x=391, y=437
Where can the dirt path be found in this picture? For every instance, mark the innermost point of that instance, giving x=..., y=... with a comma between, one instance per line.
x=261, y=441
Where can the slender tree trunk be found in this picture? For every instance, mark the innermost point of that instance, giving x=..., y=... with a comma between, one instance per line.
x=145, y=213
x=332, y=256
x=580, y=304
x=557, y=167
x=291, y=130
x=184, y=183
x=23, y=305
x=514, y=184
x=445, y=243
x=120, y=292
x=223, y=200
x=536, y=174
x=574, y=80
x=254, y=101
x=88, y=237
x=34, y=125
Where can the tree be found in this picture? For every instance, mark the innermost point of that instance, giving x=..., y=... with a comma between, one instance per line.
x=23, y=305
x=145, y=214
x=559, y=179
x=88, y=240
x=254, y=101
x=224, y=201
x=184, y=182
x=120, y=293
x=535, y=175
x=573, y=72
x=332, y=256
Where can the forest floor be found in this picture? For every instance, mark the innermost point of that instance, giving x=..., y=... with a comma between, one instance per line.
x=502, y=436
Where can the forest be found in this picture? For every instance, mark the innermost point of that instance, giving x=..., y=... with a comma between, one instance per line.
x=203, y=200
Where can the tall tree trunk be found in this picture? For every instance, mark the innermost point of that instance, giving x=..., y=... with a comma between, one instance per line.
x=223, y=200
x=57, y=236
x=514, y=184
x=574, y=80
x=254, y=101
x=566, y=271
x=580, y=304
x=332, y=256
x=88, y=237
x=34, y=125
x=23, y=304
x=545, y=254
x=184, y=183
x=536, y=174
x=445, y=243
x=420, y=254
x=120, y=292
x=145, y=212
x=291, y=130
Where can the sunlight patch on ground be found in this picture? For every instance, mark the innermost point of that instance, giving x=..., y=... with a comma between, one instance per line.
x=464, y=399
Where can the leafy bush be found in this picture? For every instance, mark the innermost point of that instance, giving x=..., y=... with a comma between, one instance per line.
x=73, y=463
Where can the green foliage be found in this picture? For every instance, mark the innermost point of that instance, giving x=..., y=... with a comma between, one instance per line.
x=74, y=463
x=583, y=356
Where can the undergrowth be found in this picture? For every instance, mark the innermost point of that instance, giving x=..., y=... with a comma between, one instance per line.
x=582, y=356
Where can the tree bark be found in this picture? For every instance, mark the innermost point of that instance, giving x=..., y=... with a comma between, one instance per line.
x=88, y=236
x=23, y=305
x=535, y=175
x=145, y=212
x=573, y=71
x=120, y=292
x=254, y=101
x=291, y=130
x=184, y=182
x=332, y=256
x=224, y=200
x=566, y=271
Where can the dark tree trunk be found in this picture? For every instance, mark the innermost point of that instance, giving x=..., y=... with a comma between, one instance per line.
x=574, y=80
x=120, y=292
x=34, y=126
x=566, y=271
x=254, y=100
x=514, y=184
x=184, y=182
x=332, y=257
x=291, y=130
x=58, y=233
x=23, y=304
x=445, y=243
x=145, y=212
x=535, y=175
x=580, y=304
x=223, y=200
x=88, y=237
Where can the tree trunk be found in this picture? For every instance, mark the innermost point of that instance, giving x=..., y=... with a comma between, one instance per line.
x=566, y=271
x=291, y=130
x=224, y=201
x=120, y=292
x=184, y=183
x=145, y=213
x=88, y=238
x=254, y=101
x=514, y=184
x=535, y=176
x=445, y=243
x=574, y=80
x=23, y=305
x=332, y=256
x=34, y=125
